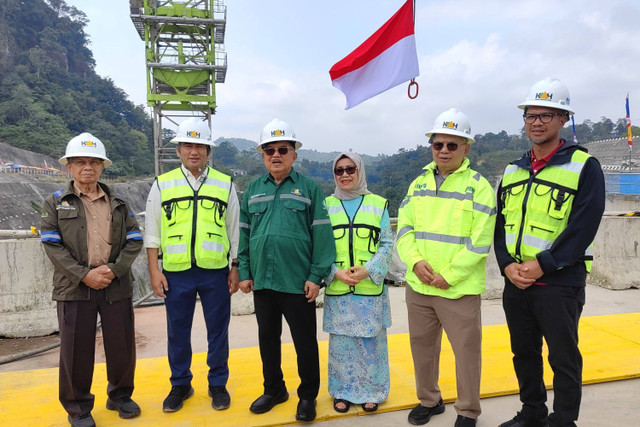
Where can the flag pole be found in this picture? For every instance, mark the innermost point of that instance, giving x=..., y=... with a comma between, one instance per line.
x=629, y=135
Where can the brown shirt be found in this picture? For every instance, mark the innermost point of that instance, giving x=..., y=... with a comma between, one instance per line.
x=99, y=226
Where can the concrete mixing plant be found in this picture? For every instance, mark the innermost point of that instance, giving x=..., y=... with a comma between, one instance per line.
x=185, y=58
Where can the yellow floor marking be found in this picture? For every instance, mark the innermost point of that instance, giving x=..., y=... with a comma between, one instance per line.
x=610, y=347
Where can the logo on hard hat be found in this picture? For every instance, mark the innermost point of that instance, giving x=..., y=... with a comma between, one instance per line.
x=277, y=132
x=193, y=134
x=544, y=96
x=88, y=143
x=450, y=125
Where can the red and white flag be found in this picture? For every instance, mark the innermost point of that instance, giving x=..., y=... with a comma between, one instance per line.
x=385, y=60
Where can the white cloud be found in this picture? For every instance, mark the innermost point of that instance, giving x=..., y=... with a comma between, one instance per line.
x=481, y=57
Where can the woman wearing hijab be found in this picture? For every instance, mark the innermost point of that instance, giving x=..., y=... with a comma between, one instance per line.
x=356, y=305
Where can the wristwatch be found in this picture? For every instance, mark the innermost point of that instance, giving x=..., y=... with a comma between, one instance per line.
x=235, y=264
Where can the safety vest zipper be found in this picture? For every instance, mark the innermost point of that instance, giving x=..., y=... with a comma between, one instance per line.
x=194, y=222
x=524, y=213
x=351, y=255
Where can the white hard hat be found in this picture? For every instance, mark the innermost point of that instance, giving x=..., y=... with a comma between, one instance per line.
x=193, y=130
x=277, y=130
x=452, y=122
x=85, y=145
x=549, y=92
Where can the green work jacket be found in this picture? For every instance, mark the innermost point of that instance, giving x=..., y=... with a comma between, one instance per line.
x=64, y=237
x=356, y=241
x=285, y=234
x=193, y=230
x=451, y=228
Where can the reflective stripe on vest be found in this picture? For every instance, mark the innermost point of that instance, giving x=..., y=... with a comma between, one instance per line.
x=193, y=222
x=356, y=241
x=536, y=208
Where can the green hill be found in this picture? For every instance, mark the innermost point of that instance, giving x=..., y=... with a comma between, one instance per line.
x=49, y=91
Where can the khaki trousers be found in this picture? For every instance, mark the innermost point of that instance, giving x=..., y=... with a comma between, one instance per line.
x=461, y=320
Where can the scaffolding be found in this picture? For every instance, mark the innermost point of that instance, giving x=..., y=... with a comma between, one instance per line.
x=185, y=58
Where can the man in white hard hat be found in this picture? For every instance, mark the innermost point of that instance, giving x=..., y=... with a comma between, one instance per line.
x=550, y=203
x=92, y=238
x=286, y=249
x=192, y=217
x=445, y=228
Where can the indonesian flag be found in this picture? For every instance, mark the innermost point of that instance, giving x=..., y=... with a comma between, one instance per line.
x=385, y=60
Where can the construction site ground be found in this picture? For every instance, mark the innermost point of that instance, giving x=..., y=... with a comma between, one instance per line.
x=610, y=342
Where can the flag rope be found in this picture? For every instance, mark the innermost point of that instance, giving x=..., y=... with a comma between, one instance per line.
x=413, y=82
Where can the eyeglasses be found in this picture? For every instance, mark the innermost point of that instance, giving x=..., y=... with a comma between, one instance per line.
x=281, y=150
x=83, y=162
x=349, y=169
x=544, y=117
x=451, y=146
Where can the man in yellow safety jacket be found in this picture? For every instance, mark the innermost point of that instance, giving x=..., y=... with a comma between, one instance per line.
x=550, y=203
x=445, y=227
x=192, y=216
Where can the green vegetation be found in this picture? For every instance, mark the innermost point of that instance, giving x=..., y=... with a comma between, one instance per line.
x=49, y=91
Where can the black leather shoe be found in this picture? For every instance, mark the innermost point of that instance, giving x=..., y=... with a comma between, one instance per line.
x=267, y=401
x=463, y=421
x=85, y=420
x=177, y=395
x=522, y=421
x=126, y=407
x=421, y=414
x=220, y=398
x=306, y=410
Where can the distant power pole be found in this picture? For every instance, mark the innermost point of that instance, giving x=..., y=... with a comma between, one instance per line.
x=185, y=58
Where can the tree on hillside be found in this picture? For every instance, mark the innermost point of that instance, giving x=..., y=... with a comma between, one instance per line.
x=49, y=90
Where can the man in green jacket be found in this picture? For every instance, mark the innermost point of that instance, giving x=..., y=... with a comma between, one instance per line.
x=286, y=248
x=92, y=238
x=445, y=228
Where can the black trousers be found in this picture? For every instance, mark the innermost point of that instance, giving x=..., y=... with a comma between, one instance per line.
x=552, y=312
x=300, y=314
x=77, y=323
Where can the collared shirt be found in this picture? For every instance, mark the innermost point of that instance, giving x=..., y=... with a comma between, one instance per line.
x=99, y=226
x=285, y=234
x=439, y=178
x=153, y=215
x=537, y=164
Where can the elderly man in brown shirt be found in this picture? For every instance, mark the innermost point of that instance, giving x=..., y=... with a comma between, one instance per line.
x=92, y=238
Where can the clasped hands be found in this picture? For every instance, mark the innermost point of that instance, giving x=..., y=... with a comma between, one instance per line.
x=99, y=277
x=352, y=275
x=524, y=274
x=428, y=276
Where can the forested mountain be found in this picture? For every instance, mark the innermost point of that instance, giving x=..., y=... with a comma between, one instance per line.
x=49, y=91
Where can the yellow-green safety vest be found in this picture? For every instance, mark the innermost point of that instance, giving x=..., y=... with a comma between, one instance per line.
x=450, y=227
x=536, y=208
x=356, y=241
x=193, y=222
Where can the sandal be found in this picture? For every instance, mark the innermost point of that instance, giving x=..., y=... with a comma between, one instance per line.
x=371, y=408
x=346, y=403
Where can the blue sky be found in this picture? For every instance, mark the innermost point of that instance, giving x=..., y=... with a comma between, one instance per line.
x=478, y=56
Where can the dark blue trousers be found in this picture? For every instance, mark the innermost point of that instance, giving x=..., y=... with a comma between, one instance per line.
x=184, y=288
x=552, y=312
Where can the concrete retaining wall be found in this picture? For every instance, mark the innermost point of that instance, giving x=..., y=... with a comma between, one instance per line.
x=26, y=308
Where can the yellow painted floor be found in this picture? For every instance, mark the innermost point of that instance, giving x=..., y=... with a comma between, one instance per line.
x=610, y=347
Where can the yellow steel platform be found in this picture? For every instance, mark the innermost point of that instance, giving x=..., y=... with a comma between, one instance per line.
x=610, y=346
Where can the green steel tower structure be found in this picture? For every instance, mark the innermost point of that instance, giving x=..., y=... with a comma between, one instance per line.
x=185, y=58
